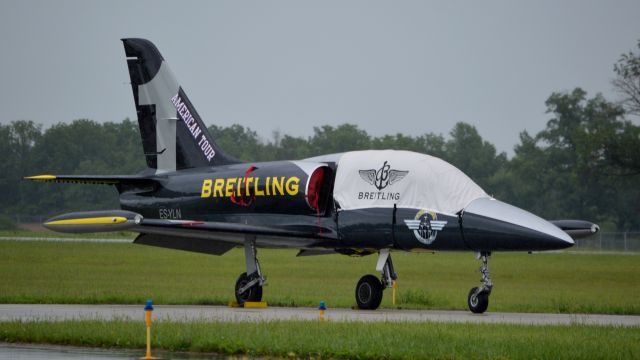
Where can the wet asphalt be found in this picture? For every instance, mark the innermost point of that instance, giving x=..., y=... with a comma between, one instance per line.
x=189, y=313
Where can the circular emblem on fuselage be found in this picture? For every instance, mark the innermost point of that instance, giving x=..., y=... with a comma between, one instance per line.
x=425, y=226
x=424, y=229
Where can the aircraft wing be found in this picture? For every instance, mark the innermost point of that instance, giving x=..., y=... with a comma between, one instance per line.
x=190, y=235
x=219, y=237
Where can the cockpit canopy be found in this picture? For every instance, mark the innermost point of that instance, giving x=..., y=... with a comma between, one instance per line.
x=382, y=178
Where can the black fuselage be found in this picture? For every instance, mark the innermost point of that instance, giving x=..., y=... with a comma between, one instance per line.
x=276, y=194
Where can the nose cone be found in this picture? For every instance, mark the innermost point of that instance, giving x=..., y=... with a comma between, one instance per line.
x=491, y=225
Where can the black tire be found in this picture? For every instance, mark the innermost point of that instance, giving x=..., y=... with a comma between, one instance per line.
x=369, y=292
x=252, y=294
x=477, y=304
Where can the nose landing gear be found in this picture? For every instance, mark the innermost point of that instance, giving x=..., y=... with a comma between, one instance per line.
x=478, y=299
x=369, y=289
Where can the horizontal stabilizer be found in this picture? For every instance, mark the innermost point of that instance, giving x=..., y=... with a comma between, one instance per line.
x=94, y=221
x=576, y=228
x=92, y=179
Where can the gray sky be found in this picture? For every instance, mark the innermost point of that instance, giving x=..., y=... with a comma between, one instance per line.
x=389, y=66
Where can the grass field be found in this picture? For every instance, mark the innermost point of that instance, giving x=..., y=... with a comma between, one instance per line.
x=312, y=339
x=54, y=272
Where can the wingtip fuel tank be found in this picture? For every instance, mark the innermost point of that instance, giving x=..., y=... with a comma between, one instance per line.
x=577, y=229
x=94, y=221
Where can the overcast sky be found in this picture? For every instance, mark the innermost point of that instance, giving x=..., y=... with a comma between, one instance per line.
x=388, y=66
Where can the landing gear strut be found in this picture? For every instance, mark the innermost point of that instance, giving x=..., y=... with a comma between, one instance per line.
x=369, y=288
x=249, y=284
x=478, y=299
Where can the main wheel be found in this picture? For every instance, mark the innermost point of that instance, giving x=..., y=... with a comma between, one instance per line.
x=477, y=303
x=253, y=293
x=369, y=292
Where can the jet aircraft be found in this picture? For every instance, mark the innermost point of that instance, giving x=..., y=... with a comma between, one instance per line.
x=195, y=197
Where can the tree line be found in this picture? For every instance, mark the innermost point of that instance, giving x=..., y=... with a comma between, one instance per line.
x=585, y=164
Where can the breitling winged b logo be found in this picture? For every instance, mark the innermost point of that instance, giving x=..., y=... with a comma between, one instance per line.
x=382, y=177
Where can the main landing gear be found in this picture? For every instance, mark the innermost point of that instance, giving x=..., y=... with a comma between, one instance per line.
x=369, y=288
x=249, y=284
x=478, y=299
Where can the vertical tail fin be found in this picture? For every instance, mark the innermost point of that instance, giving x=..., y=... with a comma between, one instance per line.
x=173, y=134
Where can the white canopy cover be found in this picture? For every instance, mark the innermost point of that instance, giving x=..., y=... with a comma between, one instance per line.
x=382, y=178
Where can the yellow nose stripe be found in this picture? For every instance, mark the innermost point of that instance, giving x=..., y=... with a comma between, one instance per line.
x=106, y=220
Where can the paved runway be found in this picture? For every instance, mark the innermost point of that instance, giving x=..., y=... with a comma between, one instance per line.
x=223, y=313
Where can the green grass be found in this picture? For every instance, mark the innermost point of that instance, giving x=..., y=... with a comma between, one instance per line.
x=55, y=272
x=329, y=339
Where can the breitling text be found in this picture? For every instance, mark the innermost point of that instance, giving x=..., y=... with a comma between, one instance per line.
x=251, y=186
x=378, y=195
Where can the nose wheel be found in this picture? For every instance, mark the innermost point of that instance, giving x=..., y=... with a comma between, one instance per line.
x=478, y=298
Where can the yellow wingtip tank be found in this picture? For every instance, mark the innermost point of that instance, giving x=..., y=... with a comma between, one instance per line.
x=94, y=221
x=105, y=220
